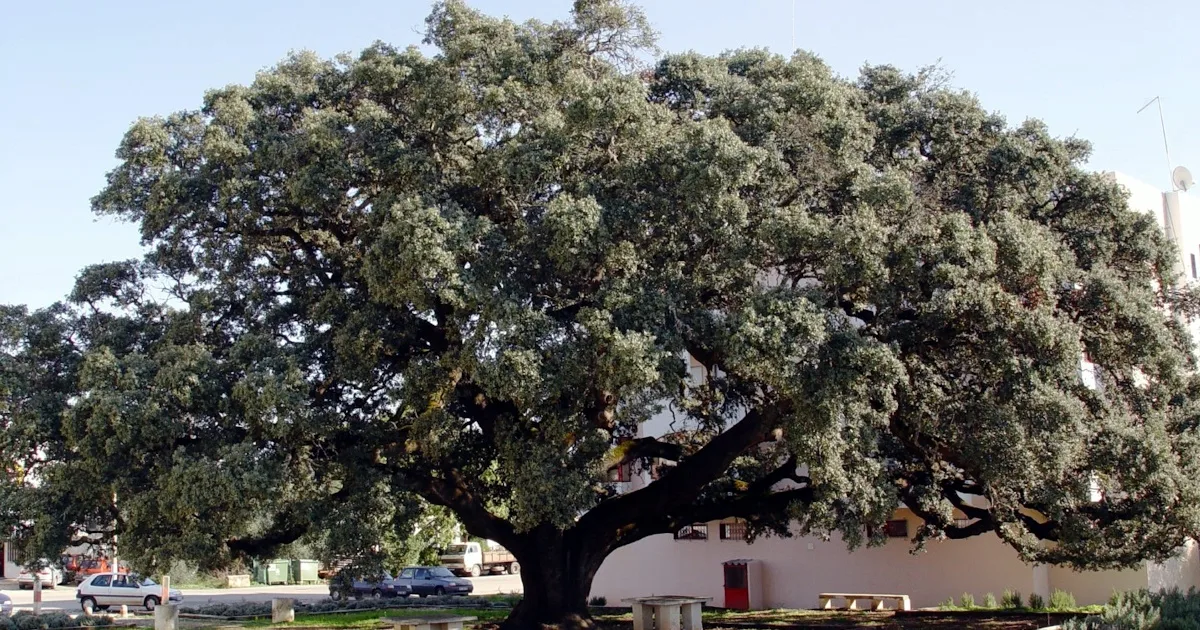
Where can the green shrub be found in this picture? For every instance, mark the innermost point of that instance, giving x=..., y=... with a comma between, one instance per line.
x=1143, y=610
x=989, y=601
x=1036, y=602
x=948, y=605
x=6, y=623
x=26, y=620
x=598, y=601
x=967, y=600
x=1011, y=599
x=1061, y=600
x=55, y=621
x=183, y=573
x=92, y=621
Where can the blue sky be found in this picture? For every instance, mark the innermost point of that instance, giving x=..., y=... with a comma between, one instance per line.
x=74, y=75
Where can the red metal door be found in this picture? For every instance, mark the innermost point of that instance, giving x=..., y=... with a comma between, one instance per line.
x=737, y=593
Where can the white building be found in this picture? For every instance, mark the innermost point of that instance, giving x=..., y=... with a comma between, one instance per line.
x=795, y=570
x=9, y=568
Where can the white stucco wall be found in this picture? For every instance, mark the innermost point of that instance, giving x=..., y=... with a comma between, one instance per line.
x=796, y=569
x=1095, y=587
x=1182, y=571
x=10, y=568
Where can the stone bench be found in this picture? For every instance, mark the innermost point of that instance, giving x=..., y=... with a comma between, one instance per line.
x=428, y=623
x=667, y=612
x=851, y=600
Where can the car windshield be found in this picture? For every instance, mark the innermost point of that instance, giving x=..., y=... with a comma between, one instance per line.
x=440, y=572
x=457, y=549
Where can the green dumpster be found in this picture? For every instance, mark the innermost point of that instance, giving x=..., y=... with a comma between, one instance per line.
x=305, y=572
x=278, y=573
x=273, y=572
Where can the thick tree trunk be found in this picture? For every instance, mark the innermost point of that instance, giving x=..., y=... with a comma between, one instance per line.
x=556, y=572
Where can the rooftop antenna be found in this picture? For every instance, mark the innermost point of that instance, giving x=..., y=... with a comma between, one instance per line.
x=793, y=50
x=1162, y=124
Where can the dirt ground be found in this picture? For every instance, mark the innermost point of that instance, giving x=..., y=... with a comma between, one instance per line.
x=817, y=620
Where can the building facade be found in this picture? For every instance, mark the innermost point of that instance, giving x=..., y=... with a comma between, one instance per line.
x=9, y=567
x=795, y=570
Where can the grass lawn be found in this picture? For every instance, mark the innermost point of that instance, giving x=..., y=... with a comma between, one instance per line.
x=818, y=619
x=370, y=618
x=784, y=619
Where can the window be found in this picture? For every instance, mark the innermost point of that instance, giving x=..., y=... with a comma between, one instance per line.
x=896, y=529
x=735, y=530
x=693, y=532
x=125, y=581
x=735, y=576
x=407, y=574
x=621, y=473
x=422, y=574
x=102, y=580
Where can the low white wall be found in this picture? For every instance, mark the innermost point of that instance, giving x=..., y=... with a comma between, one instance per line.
x=1095, y=587
x=1182, y=571
x=796, y=569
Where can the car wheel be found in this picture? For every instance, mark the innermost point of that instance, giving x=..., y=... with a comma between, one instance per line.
x=476, y=571
x=150, y=602
x=88, y=604
x=375, y=594
x=439, y=591
x=514, y=568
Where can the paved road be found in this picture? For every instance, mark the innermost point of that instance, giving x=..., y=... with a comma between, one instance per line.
x=63, y=598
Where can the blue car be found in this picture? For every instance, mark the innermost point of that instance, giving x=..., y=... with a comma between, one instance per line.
x=376, y=586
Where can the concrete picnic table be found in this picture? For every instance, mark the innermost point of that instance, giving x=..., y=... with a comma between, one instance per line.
x=428, y=623
x=667, y=612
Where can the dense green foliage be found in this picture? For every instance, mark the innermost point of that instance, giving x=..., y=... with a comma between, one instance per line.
x=1144, y=610
x=391, y=280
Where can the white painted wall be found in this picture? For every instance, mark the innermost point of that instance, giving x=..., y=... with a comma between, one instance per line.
x=1182, y=571
x=11, y=569
x=796, y=569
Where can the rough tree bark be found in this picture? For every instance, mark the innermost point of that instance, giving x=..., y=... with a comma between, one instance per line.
x=557, y=568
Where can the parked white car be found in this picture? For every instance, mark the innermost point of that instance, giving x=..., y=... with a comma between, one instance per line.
x=50, y=577
x=102, y=590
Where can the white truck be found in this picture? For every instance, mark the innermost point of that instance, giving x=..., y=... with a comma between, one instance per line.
x=470, y=559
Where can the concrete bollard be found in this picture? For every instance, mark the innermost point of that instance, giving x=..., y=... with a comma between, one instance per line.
x=124, y=611
x=283, y=610
x=166, y=617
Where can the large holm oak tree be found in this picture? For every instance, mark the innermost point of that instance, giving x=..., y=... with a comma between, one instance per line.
x=468, y=278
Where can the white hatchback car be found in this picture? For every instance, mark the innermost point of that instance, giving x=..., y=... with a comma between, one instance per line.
x=102, y=590
x=49, y=577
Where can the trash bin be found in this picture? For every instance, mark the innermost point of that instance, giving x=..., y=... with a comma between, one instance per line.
x=305, y=572
x=273, y=572
x=278, y=573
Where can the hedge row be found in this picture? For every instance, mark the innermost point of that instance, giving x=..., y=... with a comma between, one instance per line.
x=256, y=609
x=26, y=620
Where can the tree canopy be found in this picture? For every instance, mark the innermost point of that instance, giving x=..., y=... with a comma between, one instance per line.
x=468, y=278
